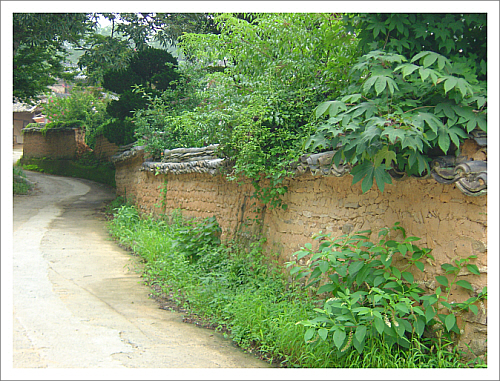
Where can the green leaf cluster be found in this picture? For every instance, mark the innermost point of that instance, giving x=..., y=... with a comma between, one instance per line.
x=258, y=80
x=84, y=107
x=148, y=72
x=39, y=50
x=397, y=114
x=458, y=36
x=368, y=296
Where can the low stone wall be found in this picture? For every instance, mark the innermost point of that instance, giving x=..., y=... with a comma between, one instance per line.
x=451, y=223
x=52, y=143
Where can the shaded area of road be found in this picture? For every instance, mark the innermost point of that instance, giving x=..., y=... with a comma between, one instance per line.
x=78, y=298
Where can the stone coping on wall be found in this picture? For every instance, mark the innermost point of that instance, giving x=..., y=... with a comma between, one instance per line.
x=126, y=153
x=470, y=176
x=42, y=129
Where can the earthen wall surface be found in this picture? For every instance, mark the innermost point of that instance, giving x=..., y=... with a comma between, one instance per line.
x=103, y=148
x=58, y=144
x=452, y=224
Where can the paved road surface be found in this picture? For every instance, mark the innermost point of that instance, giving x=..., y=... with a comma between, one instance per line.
x=79, y=302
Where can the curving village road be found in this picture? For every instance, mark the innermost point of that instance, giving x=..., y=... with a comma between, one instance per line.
x=78, y=300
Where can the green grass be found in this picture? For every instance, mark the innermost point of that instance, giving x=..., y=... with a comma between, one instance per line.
x=84, y=168
x=236, y=290
x=20, y=184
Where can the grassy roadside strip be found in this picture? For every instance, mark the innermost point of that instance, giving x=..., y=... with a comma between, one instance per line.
x=21, y=185
x=85, y=168
x=233, y=289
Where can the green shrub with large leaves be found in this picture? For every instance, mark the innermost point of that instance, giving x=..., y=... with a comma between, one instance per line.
x=366, y=296
x=417, y=95
x=398, y=113
x=460, y=37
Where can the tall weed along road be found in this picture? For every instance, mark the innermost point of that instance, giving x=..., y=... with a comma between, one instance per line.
x=77, y=297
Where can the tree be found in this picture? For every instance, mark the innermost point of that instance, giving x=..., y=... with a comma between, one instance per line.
x=101, y=54
x=39, y=51
x=166, y=28
x=152, y=70
x=260, y=78
x=40, y=44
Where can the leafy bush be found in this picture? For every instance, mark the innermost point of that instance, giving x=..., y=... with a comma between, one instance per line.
x=121, y=80
x=368, y=298
x=155, y=68
x=235, y=290
x=85, y=108
x=398, y=114
x=150, y=70
x=119, y=132
x=196, y=240
x=417, y=92
x=125, y=107
x=460, y=37
x=257, y=83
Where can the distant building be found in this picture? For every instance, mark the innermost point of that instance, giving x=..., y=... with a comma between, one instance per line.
x=23, y=114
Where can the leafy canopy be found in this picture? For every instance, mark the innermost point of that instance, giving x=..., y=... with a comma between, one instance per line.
x=39, y=50
x=259, y=80
x=405, y=105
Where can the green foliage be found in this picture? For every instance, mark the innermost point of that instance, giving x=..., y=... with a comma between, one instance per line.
x=116, y=204
x=103, y=54
x=196, y=239
x=125, y=107
x=257, y=82
x=148, y=72
x=35, y=68
x=142, y=28
x=399, y=113
x=369, y=298
x=460, y=37
x=39, y=50
x=236, y=291
x=87, y=167
x=155, y=68
x=440, y=301
x=417, y=92
x=226, y=286
x=85, y=108
x=20, y=183
x=150, y=67
x=171, y=120
x=120, y=80
x=119, y=132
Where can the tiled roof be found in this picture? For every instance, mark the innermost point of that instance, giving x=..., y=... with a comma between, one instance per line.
x=470, y=176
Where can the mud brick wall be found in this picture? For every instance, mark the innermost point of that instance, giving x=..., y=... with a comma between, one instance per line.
x=197, y=195
x=103, y=148
x=452, y=224
x=56, y=144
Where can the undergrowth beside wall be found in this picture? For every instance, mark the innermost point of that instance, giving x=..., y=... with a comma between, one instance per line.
x=21, y=185
x=235, y=290
x=87, y=167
